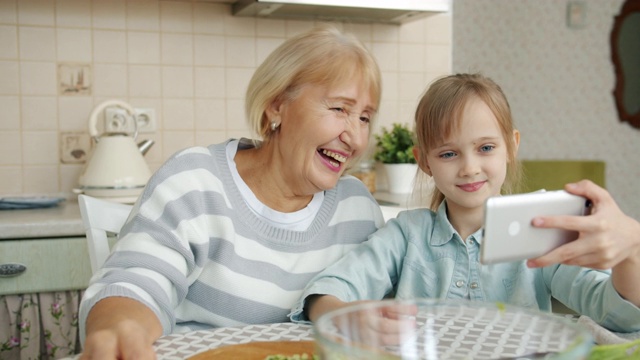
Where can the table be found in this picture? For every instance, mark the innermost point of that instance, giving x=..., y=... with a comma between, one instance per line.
x=182, y=346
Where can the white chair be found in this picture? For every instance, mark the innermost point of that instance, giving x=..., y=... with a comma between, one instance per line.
x=99, y=218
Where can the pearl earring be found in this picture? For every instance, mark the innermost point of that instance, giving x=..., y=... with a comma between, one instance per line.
x=274, y=125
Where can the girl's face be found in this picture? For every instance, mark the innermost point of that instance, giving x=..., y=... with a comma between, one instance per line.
x=321, y=131
x=471, y=165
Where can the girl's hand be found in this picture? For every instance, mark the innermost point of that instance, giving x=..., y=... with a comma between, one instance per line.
x=391, y=325
x=607, y=237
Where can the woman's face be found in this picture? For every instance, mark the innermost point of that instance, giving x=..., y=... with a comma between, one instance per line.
x=321, y=131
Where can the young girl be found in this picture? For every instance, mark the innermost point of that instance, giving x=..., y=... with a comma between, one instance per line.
x=468, y=145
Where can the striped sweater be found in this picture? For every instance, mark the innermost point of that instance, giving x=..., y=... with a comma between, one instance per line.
x=195, y=253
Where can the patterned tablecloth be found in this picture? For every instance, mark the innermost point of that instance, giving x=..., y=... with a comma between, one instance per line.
x=182, y=346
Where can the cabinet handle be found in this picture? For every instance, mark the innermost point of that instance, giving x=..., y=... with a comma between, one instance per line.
x=12, y=269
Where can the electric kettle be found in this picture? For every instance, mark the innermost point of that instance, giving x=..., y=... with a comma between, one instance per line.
x=115, y=169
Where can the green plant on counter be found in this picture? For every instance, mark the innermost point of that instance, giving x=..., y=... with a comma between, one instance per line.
x=395, y=146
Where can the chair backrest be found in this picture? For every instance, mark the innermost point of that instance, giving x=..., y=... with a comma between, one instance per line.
x=101, y=217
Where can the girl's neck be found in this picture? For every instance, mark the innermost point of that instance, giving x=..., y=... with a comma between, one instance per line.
x=465, y=221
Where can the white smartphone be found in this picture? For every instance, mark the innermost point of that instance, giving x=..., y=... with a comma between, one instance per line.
x=508, y=234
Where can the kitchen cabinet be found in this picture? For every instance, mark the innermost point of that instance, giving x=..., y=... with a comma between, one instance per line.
x=52, y=264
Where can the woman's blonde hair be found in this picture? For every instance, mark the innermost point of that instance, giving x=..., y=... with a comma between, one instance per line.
x=439, y=113
x=321, y=56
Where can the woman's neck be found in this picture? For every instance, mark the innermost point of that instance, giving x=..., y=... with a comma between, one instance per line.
x=265, y=179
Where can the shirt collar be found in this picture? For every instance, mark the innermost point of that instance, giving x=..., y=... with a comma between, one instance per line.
x=444, y=231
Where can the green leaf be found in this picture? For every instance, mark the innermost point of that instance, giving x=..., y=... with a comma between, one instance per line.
x=395, y=146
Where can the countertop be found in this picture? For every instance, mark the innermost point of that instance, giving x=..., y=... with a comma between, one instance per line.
x=59, y=221
x=64, y=220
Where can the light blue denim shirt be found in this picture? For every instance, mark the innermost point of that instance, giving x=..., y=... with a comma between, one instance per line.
x=420, y=255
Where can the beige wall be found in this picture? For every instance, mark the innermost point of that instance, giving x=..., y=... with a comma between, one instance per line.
x=559, y=81
x=190, y=61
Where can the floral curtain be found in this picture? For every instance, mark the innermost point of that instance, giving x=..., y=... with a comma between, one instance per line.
x=39, y=326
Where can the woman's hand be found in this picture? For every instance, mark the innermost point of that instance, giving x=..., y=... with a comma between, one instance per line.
x=120, y=328
x=608, y=239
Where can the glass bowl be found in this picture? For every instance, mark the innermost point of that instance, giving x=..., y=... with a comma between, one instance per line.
x=447, y=329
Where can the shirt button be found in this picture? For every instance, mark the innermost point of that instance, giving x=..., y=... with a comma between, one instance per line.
x=459, y=283
x=474, y=285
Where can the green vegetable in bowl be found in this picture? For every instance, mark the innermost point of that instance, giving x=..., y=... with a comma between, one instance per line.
x=630, y=350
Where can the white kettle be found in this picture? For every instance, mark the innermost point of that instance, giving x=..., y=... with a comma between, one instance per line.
x=116, y=169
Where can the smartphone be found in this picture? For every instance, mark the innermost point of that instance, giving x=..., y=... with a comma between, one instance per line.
x=508, y=234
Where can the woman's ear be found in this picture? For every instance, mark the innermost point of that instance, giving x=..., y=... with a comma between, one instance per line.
x=423, y=164
x=273, y=110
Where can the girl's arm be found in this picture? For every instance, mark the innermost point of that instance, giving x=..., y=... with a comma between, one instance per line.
x=609, y=239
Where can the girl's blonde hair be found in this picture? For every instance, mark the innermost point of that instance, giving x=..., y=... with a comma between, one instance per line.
x=439, y=113
x=322, y=56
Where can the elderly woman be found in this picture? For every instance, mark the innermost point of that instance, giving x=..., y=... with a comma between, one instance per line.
x=230, y=234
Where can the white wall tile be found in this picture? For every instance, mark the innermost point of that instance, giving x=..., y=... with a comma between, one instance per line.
x=362, y=31
x=385, y=33
x=412, y=57
x=241, y=51
x=10, y=148
x=109, y=46
x=236, y=118
x=177, y=81
x=110, y=80
x=387, y=56
x=145, y=81
x=237, y=82
x=41, y=179
x=389, y=85
x=413, y=32
x=74, y=45
x=438, y=58
x=11, y=179
x=38, y=78
x=178, y=114
x=177, y=49
x=39, y=112
x=10, y=114
x=265, y=46
x=143, y=15
x=206, y=138
x=209, y=18
x=110, y=14
x=210, y=82
x=179, y=140
x=209, y=50
x=8, y=12
x=175, y=16
x=9, y=73
x=36, y=12
x=69, y=175
x=438, y=29
x=37, y=43
x=270, y=28
x=9, y=41
x=143, y=47
x=239, y=26
x=74, y=113
x=73, y=13
x=410, y=85
x=40, y=147
x=295, y=27
x=210, y=114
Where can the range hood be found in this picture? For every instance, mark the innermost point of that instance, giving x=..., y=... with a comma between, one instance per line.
x=364, y=11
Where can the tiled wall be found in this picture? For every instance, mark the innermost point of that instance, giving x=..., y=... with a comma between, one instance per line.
x=559, y=80
x=190, y=61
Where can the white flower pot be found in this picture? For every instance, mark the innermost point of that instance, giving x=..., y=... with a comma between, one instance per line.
x=400, y=177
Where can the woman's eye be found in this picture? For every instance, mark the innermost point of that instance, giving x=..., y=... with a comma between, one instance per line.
x=338, y=109
x=487, y=148
x=365, y=119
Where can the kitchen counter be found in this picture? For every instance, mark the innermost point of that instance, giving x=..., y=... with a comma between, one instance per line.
x=63, y=220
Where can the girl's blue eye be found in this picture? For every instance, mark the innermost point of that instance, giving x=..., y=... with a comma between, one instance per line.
x=487, y=148
x=447, y=155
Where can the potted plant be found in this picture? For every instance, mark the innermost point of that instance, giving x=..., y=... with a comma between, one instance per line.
x=394, y=149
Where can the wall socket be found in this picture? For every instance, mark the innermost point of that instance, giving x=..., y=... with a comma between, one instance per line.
x=118, y=120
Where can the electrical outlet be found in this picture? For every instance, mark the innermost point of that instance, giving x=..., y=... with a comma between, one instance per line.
x=118, y=120
x=74, y=147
